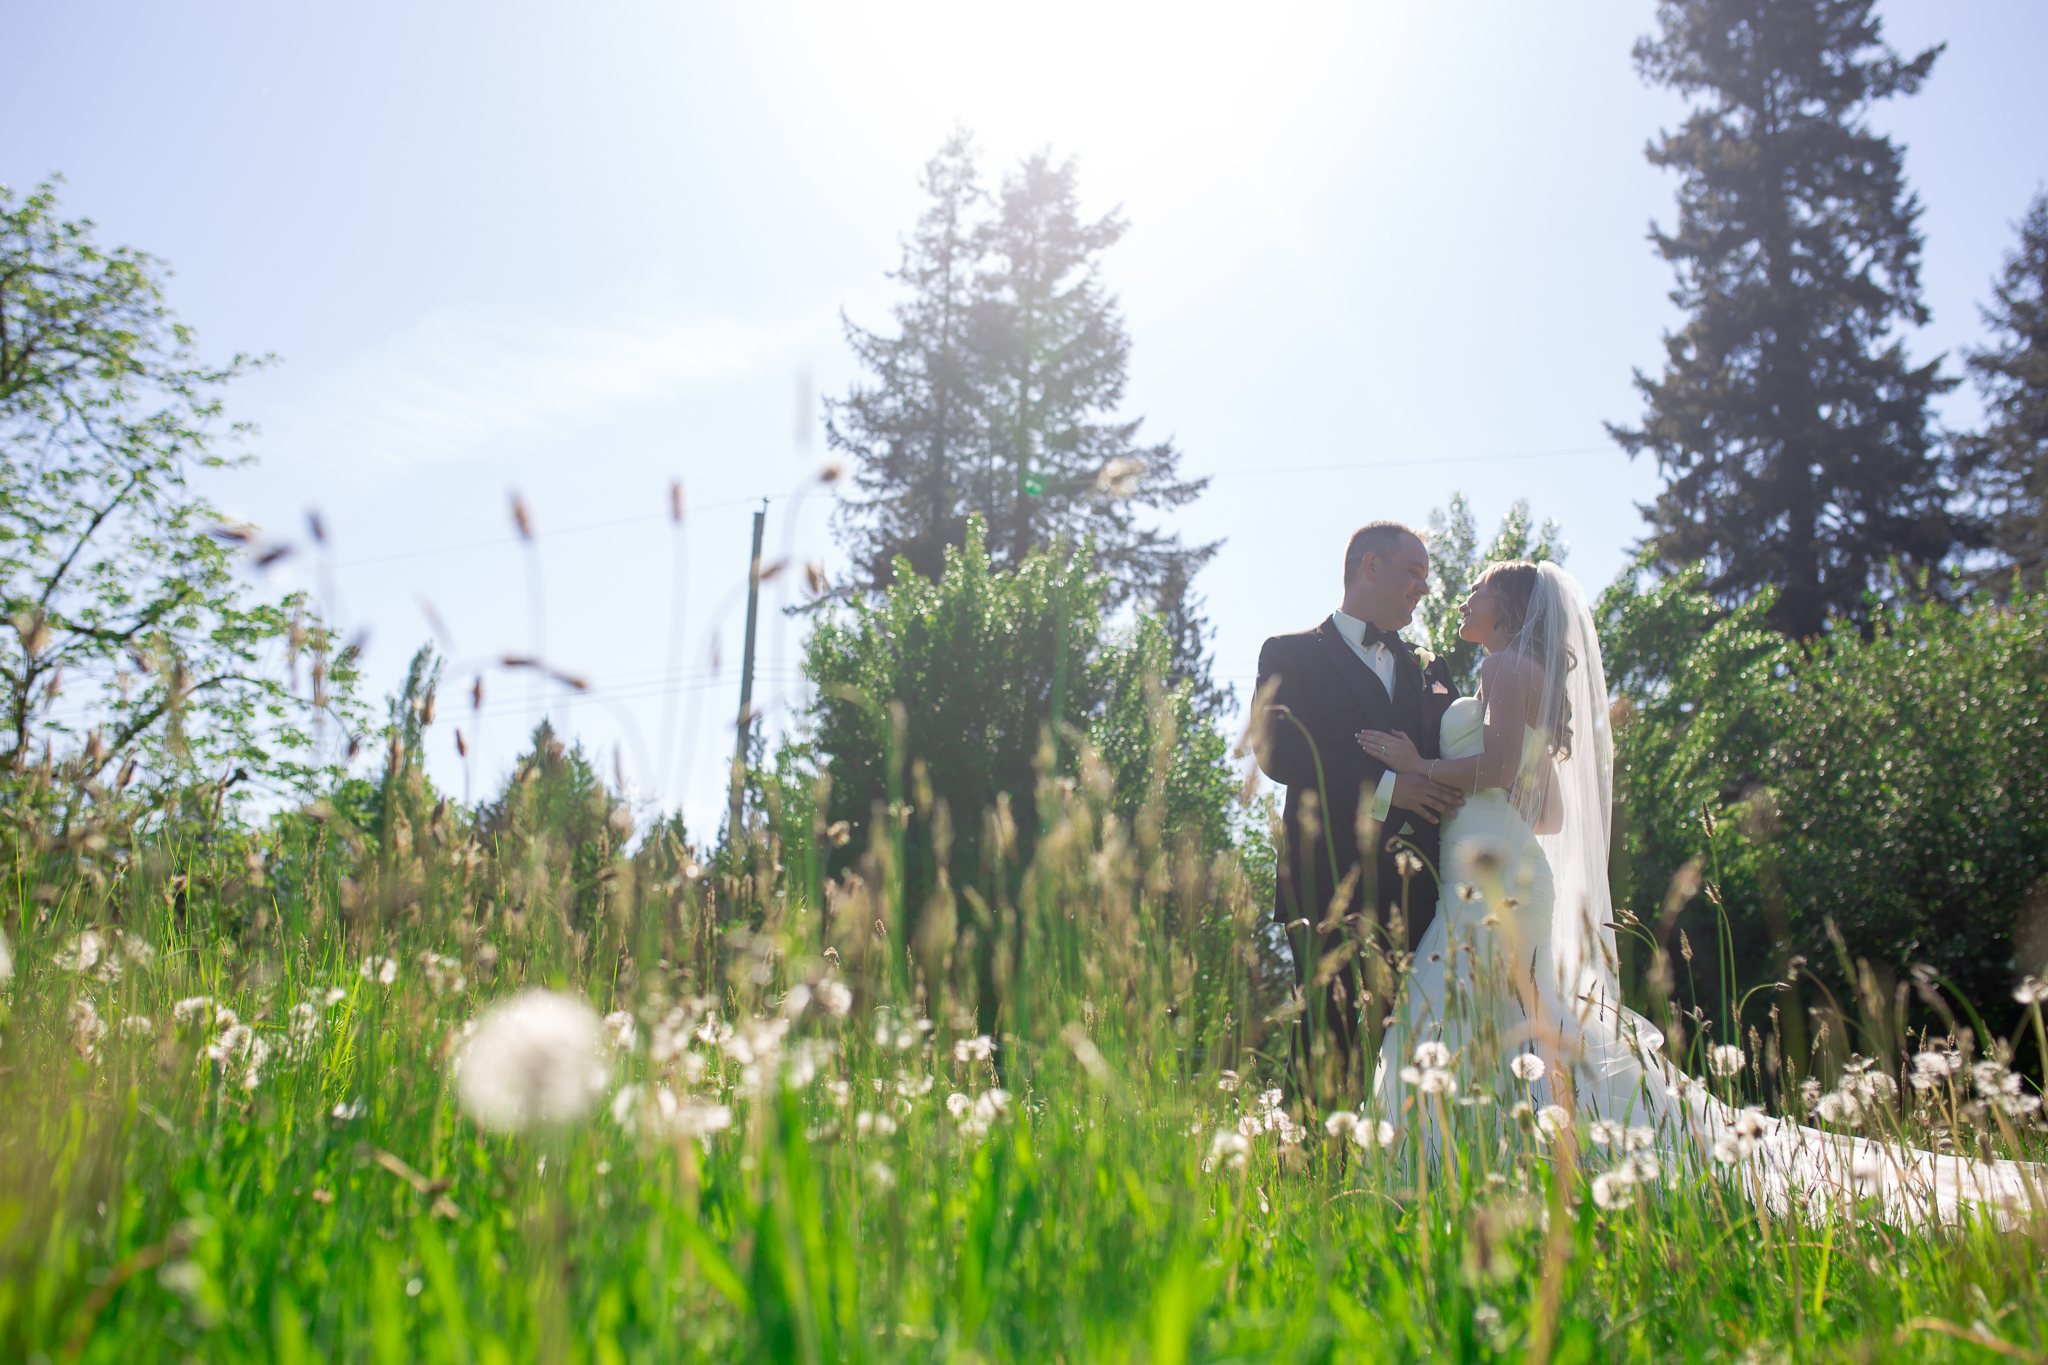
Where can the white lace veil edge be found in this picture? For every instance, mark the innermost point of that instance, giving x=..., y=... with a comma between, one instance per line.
x=1559, y=634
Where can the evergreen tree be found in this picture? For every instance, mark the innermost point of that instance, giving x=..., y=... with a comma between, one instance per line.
x=915, y=429
x=1791, y=429
x=998, y=396
x=1455, y=563
x=2006, y=465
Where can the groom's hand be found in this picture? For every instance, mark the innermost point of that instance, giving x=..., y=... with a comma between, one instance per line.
x=1430, y=800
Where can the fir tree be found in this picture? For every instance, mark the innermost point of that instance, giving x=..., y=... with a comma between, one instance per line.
x=2006, y=465
x=915, y=430
x=1790, y=426
x=998, y=395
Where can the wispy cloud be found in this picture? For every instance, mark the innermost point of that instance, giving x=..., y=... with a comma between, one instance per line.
x=457, y=385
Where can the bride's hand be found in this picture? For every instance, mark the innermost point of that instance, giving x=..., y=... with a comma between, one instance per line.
x=1395, y=750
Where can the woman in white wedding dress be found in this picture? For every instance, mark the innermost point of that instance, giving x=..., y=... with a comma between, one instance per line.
x=1520, y=958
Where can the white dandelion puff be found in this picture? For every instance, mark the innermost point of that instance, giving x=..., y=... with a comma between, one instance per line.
x=978, y=1049
x=836, y=997
x=1613, y=1189
x=620, y=1030
x=1725, y=1059
x=1227, y=1148
x=534, y=1059
x=1527, y=1067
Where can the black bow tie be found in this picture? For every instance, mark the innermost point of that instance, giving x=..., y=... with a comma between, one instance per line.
x=1375, y=636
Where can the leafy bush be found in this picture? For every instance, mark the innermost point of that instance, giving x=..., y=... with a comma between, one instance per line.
x=962, y=685
x=1895, y=787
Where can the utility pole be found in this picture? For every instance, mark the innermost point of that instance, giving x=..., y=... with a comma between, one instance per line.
x=746, y=721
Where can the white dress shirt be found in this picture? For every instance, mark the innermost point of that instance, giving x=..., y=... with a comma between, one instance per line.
x=1380, y=660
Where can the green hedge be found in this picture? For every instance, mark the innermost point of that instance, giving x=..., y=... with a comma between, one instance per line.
x=1896, y=786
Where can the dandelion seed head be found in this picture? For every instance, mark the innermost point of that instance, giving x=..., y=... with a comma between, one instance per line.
x=870, y=1123
x=1370, y=1133
x=836, y=997
x=382, y=970
x=1605, y=1133
x=1528, y=1067
x=1613, y=1189
x=1725, y=1059
x=1229, y=1149
x=620, y=1030
x=1482, y=858
x=536, y=1059
x=1432, y=1054
x=978, y=1049
x=881, y=1175
x=443, y=973
x=1226, y=1081
x=2032, y=990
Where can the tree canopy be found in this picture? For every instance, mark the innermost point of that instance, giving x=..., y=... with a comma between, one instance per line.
x=998, y=396
x=134, y=649
x=1791, y=427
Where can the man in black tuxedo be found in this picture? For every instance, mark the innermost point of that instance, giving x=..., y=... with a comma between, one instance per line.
x=1354, y=672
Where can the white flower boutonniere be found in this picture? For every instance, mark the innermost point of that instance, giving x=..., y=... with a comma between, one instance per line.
x=1424, y=658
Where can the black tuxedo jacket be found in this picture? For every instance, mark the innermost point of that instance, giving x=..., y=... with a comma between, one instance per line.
x=1324, y=695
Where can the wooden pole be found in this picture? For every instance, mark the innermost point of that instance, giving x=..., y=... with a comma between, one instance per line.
x=746, y=720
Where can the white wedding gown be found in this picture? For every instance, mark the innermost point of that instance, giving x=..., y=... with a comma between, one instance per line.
x=1564, y=1005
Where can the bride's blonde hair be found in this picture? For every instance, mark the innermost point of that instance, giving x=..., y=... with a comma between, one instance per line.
x=1513, y=582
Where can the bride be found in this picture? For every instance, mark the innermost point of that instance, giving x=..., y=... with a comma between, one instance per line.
x=1515, y=983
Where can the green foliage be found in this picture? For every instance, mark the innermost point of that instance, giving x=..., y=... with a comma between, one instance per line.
x=937, y=700
x=134, y=651
x=2006, y=464
x=1895, y=787
x=1791, y=429
x=1455, y=563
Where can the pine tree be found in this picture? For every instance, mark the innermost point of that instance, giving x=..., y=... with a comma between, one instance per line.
x=998, y=396
x=1791, y=429
x=2006, y=465
x=916, y=428
x=1057, y=351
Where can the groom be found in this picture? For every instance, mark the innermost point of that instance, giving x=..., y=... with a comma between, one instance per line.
x=1353, y=672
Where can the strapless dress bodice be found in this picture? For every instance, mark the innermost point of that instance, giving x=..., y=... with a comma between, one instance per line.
x=1463, y=735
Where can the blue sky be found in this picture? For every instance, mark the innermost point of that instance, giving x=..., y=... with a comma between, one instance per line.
x=579, y=252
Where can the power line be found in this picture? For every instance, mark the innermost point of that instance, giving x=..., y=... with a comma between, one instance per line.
x=1417, y=460
x=1346, y=468
x=540, y=535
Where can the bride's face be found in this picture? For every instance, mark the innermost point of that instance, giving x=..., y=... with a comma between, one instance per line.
x=1480, y=615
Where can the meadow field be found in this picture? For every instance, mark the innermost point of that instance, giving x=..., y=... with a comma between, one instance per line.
x=258, y=1106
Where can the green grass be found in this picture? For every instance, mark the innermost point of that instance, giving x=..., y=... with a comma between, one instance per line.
x=346, y=1209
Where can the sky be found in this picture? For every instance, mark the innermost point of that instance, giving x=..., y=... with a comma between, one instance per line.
x=1378, y=254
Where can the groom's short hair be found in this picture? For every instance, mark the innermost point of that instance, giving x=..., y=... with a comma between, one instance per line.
x=1380, y=537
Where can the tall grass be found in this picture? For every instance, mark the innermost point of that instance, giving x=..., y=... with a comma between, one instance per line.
x=841, y=1169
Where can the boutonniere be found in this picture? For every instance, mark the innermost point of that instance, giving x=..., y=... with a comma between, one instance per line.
x=1424, y=657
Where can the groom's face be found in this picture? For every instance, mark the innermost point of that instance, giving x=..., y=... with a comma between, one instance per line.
x=1400, y=581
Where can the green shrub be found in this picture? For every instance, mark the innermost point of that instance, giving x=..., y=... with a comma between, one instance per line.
x=1895, y=787
x=956, y=682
